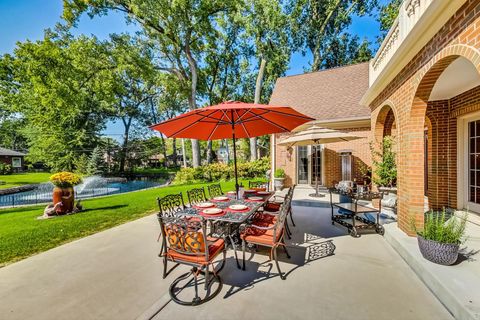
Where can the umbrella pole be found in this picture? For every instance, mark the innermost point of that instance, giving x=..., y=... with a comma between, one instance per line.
x=235, y=157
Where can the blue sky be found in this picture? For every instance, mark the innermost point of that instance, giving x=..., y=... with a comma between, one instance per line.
x=27, y=19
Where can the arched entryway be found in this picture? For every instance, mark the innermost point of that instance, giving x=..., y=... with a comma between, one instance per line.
x=437, y=137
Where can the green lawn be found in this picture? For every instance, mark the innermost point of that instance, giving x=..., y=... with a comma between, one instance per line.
x=22, y=235
x=20, y=179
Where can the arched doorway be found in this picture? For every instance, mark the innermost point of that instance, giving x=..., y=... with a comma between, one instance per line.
x=445, y=108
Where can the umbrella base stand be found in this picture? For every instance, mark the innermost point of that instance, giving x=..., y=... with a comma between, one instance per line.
x=316, y=195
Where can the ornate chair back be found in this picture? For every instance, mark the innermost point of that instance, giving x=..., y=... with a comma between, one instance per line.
x=185, y=236
x=215, y=190
x=282, y=215
x=171, y=204
x=196, y=195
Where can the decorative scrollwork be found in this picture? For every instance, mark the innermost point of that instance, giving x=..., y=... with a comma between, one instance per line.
x=196, y=195
x=184, y=235
x=171, y=204
x=215, y=190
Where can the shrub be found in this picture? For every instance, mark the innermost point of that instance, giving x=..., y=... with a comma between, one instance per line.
x=385, y=174
x=221, y=171
x=5, y=168
x=442, y=227
x=65, y=179
x=279, y=173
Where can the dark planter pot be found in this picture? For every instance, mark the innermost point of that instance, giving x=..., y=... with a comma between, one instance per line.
x=441, y=253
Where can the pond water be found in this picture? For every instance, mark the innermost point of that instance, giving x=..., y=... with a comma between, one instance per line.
x=90, y=188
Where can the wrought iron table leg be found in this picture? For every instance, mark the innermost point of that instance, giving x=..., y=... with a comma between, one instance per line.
x=234, y=249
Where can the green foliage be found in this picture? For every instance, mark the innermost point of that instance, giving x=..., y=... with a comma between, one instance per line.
x=318, y=25
x=443, y=228
x=96, y=163
x=387, y=16
x=222, y=172
x=5, y=168
x=279, y=173
x=384, y=163
x=81, y=164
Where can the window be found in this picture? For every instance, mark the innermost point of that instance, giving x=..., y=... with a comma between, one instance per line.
x=302, y=165
x=16, y=162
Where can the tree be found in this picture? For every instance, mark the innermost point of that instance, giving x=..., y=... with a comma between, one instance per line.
x=316, y=24
x=387, y=16
x=96, y=162
x=178, y=29
x=346, y=50
x=58, y=85
x=265, y=24
x=133, y=88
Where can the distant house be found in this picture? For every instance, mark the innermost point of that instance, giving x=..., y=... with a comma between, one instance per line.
x=12, y=158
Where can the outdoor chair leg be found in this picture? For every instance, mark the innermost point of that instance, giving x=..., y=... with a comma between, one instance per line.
x=164, y=266
x=286, y=252
x=206, y=277
x=243, y=249
x=278, y=265
x=291, y=218
x=287, y=229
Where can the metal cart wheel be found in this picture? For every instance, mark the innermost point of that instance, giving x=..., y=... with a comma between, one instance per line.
x=380, y=230
x=354, y=233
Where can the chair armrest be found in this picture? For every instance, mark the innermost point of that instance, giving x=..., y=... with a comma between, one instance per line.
x=259, y=227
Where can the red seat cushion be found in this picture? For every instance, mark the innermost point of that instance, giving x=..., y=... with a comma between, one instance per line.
x=259, y=236
x=214, y=248
x=264, y=218
x=272, y=206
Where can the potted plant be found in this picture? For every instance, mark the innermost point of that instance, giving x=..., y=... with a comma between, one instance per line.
x=63, y=192
x=279, y=177
x=385, y=174
x=439, y=240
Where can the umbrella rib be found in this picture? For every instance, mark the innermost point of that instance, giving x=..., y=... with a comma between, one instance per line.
x=275, y=124
x=215, y=128
x=288, y=114
x=242, y=123
x=190, y=125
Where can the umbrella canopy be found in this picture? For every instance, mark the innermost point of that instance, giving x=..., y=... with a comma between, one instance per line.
x=317, y=135
x=232, y=118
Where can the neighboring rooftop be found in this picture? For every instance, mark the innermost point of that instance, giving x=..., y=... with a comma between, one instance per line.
x=332, y=94
x=8, y=152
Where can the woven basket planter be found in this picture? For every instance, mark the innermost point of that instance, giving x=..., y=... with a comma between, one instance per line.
x=441, y=253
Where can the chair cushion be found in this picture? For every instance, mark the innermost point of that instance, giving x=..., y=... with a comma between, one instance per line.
x=214, y=248
x=264, y=219
x=272, y=206
x=259, y=189
x=264, y=237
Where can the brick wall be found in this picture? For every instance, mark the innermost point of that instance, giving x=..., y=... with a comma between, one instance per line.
x=407, y=95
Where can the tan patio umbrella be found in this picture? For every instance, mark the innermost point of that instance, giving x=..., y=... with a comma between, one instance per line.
x=317, y=135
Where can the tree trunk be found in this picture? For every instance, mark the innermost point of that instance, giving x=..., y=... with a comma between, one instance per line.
x=174, y=152
x=184, y=153
x=123, y=154
x=258, y=94
x=209, y=152
x=164, y=151
x=192, y=101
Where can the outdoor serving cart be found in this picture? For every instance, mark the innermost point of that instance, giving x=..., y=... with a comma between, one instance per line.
x=354, y=215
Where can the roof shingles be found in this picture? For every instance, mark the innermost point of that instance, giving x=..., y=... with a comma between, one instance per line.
x=332, y=94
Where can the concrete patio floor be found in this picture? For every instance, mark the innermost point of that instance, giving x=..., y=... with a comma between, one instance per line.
x=116, y=274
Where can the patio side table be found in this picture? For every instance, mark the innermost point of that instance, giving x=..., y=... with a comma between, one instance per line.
x=352, y=218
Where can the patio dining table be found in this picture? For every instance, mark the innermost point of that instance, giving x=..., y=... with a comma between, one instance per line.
x=230, y=219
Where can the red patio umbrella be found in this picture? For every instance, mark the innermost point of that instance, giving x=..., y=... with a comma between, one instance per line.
x=232, y=119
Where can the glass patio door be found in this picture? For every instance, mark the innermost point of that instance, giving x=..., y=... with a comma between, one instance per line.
x=473, y=191
x=302, y=164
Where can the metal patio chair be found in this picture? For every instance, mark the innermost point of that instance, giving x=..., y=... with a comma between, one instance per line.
x=186, y=242
x=267, y=234
x=196, y=196
x=169, y=206
x=215, y=190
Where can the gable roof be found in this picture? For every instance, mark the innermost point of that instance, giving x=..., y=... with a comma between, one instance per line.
x=327, y=95
x=8, y=152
